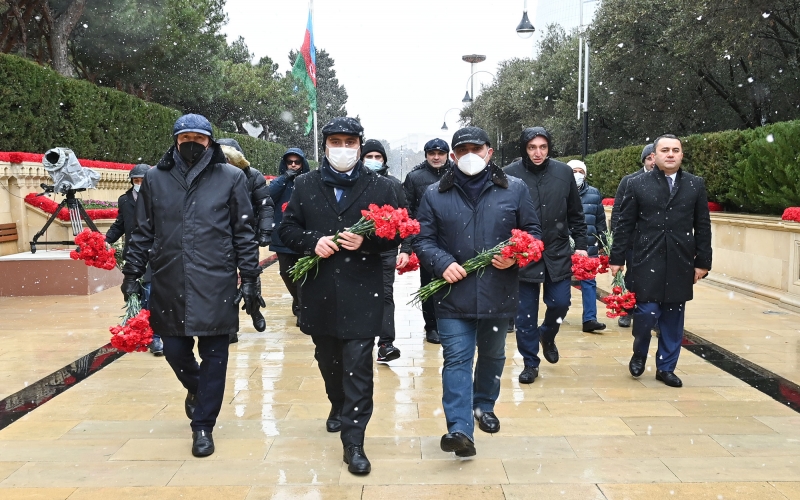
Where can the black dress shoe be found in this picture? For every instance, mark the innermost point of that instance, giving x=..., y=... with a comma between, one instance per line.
x=387, y=352
x=202, y=443
x=334, y=422
x=458, y=443
x=669, y=378
x=189, y=404
x=636, y=365
x=624, y=321
x=550, y=351
x=259, y=323
x=593, y=326
x=356, y=460
x=487, y=421
x=233, y=338
x=529, y=374
x=432, y=336
x=510, y=326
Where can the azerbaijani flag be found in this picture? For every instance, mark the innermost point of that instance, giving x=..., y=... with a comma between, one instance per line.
x=305, y=70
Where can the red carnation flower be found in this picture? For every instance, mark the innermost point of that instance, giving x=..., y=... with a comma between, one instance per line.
x=585, y=268
x=283, y=207
x=413, y=265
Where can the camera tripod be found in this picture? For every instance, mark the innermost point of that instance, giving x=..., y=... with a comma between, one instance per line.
x=76, y=213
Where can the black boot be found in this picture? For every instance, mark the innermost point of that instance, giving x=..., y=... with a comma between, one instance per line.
x=432, y=336
x=259, y=323
x=356, y=460
x=334, y=422
x=202, y=443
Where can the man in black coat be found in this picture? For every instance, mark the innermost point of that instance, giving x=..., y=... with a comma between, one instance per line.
x=648, y=161
x=415, y=184
x=558, y=205
x=473, y=208
x=595, y=216
x=293, y=163
x=665, y=216
x=123, y=226
x=374, y=157
x=341, y=302
x=195, y=228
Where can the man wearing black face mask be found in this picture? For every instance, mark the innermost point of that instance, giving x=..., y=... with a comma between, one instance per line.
x=341, y=303
x=195, y=228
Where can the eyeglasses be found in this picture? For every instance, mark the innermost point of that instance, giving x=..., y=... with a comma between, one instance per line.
x=294, y=162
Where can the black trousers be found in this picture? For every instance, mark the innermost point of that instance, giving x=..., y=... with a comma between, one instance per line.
x=346, y=368
x=286, y=261
x=427, y=307
x=206, y=380
x=389, y=268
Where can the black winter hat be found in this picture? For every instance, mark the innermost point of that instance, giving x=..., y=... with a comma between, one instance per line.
x=373, y=146
x=343, y=125
x=647, y=151
x=437, y=145
x=470, y=135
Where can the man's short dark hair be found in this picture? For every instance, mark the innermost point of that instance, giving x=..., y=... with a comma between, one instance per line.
x=666, y=136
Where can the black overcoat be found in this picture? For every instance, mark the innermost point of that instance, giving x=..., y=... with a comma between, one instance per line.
x=671, y=235
x=126, y=221
x=344, y=297
x=454, y=229
x=195, y=231
x=558, y=205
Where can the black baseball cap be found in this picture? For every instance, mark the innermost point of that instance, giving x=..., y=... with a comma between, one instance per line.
x=470, y=135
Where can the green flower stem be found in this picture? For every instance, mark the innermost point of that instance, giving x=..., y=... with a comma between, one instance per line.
x=363, y=227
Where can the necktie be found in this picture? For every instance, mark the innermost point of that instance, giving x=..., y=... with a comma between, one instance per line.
x=670, y=183
x=338, y=193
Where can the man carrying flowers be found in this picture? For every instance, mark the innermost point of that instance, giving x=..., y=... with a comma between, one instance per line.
x=340, y=277
x=472, y=209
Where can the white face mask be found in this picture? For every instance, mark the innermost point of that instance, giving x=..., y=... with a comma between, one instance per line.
x=579, y=177
x=342, y=159
x=136, y=187
x=471, y=164
x=373, y=164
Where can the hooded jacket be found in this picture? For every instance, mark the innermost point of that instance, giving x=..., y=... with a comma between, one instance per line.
x=280, y=190
x=263, y=206
x=558, y=205
x=454, y=229
x=195, y=230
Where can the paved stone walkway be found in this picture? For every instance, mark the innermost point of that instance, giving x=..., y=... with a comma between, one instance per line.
x=584, y=430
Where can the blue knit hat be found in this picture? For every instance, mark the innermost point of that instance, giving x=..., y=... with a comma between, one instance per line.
x=192, y=123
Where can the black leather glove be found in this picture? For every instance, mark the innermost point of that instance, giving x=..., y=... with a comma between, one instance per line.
x=131, y=286
x=264, y=237
x=250, y=291
x=291, y=174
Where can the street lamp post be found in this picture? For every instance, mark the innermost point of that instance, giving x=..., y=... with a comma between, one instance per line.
x=583, y=81
x=525, y=29
x=470, y=82
x=472, y=59
x=444, y=125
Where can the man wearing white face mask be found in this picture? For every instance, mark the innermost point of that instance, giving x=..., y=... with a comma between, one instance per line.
x=473, y=207
x=373, y=154
x=342, y=302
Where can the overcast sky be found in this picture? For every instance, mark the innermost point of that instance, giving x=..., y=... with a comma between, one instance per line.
x=400, y=61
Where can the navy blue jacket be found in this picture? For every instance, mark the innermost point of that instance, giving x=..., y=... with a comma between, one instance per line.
x=454, y=229
x=280, y=190
x=595, y=216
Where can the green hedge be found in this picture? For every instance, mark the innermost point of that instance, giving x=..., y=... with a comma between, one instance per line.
x=755, y=171
x=39, y=109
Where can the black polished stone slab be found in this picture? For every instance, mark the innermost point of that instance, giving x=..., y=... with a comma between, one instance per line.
x=19, y=404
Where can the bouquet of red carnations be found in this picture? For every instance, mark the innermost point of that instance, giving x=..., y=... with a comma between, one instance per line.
x=621, y=300
x=521, y=246
x=585, y=268
x=413, y=265
x=134, y=334
x=93, y=250
x=385, y=222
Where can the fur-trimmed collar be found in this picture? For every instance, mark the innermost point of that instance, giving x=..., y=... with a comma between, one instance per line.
x=498, y=178
x=168, y=162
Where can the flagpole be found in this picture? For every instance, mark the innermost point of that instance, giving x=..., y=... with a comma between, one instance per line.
x=316, y=137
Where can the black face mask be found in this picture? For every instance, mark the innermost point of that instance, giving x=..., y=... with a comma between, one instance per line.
x=191, y=152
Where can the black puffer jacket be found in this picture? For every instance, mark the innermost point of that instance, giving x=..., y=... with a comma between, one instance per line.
x=415, y=184
x=454, y=229
x=280, y=190
x=594, y=215
x=195, y=231
x=558, y=205
x=263, y=207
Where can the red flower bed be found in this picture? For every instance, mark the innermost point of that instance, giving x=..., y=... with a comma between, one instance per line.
x=17, y=157
x=792, y=214
x=608, y=202
x=713, y=206
x=50, y=207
